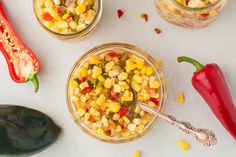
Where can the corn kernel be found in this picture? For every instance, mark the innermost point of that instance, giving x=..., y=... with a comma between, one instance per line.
x=151, y=104
x=73, y=25
x=126, y=120
x=140, y=64
x=180, y=98
x=149, y=71
x=101, y=78
x=137, y=109
x=83, y=85
x=94, y=112
x=81, y=112
x=118, y=128
x=116, y=117
x=146, y=96
x=139, y=128
x=154, y=84
x=127, y=98
x=80, y=9
x=113, y=73
x=138, y=78
x=108, y=83
x=212, y=13
x=130, y=65
x=137, y=154
x=94, y=59
x=86, y=116
x=126, y=133
x=100, y=131
x=117, y=88
x=135, y=86
x=183, y=145
x=132, y=127
x=73, y=84
x=110, y=65
x=144, y=70
x=115, y=107
x=122, y=83
x=83, y=71
x=48, y=3
x=97, y=71
x=122, y=76
x=62, y=24
x=101, y=99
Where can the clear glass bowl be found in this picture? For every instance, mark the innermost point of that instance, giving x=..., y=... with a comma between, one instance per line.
x=193, y=18
x=78, y=35
x=100, y=49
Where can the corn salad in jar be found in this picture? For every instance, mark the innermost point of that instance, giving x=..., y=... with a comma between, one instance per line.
x=104, y=88
x=193, y=14
x=66, y=17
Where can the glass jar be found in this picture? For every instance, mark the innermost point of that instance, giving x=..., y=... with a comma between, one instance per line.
x=83, y=32
x=99, y=50
x=189, y=17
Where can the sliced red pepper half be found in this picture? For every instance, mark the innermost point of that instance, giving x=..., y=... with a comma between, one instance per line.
x=22, y=63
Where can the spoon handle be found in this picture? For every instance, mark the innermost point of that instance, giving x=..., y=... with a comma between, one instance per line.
x=203, y=136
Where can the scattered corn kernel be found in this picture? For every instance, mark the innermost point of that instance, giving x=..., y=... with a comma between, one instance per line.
x=180, y=98
x=183, y=145
x=137, y=154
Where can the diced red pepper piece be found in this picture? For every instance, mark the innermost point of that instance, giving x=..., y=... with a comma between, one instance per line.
x=154, y=100
x=59, y=10
x=114, y=96
x=123, y=111
x=83, y=79
x=85, y=90
x=187, y=1
x=47, y=17
x=205, y=15
x=109, y=132
x=144, y=16
x=120, y=13
x=113, y=54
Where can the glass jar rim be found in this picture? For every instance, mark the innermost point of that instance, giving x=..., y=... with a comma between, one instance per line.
x=208, y=7
x=82, y=32
x=150, y=124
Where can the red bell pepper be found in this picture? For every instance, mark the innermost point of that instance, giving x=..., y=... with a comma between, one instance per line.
x=209, y=81
x=22, y=63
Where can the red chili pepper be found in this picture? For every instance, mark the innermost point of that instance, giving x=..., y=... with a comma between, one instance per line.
x=22, y=63
x=85, y=90
x=120, y=13
x=154, y=100
x=47, y=17
x=209, y=81
x=122, y=112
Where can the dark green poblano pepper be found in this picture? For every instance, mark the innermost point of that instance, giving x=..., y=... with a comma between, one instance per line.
x=25, y=131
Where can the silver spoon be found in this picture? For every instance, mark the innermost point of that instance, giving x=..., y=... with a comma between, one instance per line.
x=205, y=137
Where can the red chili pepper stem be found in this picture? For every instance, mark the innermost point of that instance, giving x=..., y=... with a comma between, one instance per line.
x=35, y=81
x=194, y=62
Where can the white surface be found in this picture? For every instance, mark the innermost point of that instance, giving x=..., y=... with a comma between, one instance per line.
x=216, y=43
